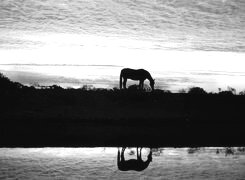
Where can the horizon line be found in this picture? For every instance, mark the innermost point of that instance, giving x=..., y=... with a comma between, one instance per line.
x=34, y=64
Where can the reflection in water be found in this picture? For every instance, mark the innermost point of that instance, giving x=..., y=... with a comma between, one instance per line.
x=101, y=163
x=133, y=164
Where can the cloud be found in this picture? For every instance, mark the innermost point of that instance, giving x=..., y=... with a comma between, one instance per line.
x=7, y=42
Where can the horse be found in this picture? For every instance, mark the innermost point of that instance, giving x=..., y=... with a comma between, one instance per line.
x=135, y=74
x=133, y=164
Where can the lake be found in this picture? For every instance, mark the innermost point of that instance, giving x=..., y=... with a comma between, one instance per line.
x=101, y=163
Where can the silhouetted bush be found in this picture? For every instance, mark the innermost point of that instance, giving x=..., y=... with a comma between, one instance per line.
x=115, y=89
x=241, y=149
x=4, y=81
x=147, y=88
x=7, y=84
x=3, y=78
x=231, y=89
x=192, y=150
x=134, y=88
x=167, y=91
x=229, y=151
x=182, y=91
x=157, y=151
x=87, y=87
x=55, y=87
x=242, y=93
x=226, y=93
x=196, y=90
x=160, y=91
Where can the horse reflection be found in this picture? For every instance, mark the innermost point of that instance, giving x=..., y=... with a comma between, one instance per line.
x=133, y=164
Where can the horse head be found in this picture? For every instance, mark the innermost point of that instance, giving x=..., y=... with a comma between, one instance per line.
x=152, y=83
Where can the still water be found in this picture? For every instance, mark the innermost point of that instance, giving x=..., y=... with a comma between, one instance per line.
x=101, y=163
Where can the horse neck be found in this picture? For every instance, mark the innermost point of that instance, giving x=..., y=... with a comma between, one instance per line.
x=147, y=162
x=143, y=165
x=150, y=78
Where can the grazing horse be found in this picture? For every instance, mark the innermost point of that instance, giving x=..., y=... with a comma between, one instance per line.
x=133, y=164
x=135, y=74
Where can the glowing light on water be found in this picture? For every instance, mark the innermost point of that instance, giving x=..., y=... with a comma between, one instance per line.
x=101, y=163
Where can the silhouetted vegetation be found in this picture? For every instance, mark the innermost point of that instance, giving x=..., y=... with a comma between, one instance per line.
x=229, y=151
x=193, y=150
x=242, y=93
x=7, y=85
x=157, y=151
x=230, y=91
x=196, y=90
x=102, y=115
x=241, y=149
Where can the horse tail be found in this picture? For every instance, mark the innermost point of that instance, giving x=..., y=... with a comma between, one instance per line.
x=120, y=83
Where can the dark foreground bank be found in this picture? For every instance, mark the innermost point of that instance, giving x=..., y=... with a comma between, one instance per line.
x=149, y=133
x=57, y=117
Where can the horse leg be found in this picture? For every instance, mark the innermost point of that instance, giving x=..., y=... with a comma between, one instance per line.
x=140, y=156
x=122, y=154
x=124, y=82
x=141, y=84
x=118, y=156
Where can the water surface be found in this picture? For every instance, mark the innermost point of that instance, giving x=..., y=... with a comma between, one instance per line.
x=101, y=163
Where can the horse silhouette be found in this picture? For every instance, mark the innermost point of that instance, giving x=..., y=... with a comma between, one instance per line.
x=135, y=74
x=132, y=164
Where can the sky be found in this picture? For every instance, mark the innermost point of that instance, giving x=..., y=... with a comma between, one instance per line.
x=73, y=43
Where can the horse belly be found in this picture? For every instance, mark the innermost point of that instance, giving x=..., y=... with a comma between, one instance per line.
x=136, y=78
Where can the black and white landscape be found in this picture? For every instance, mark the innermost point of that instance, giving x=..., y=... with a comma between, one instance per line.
x=60, y=87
